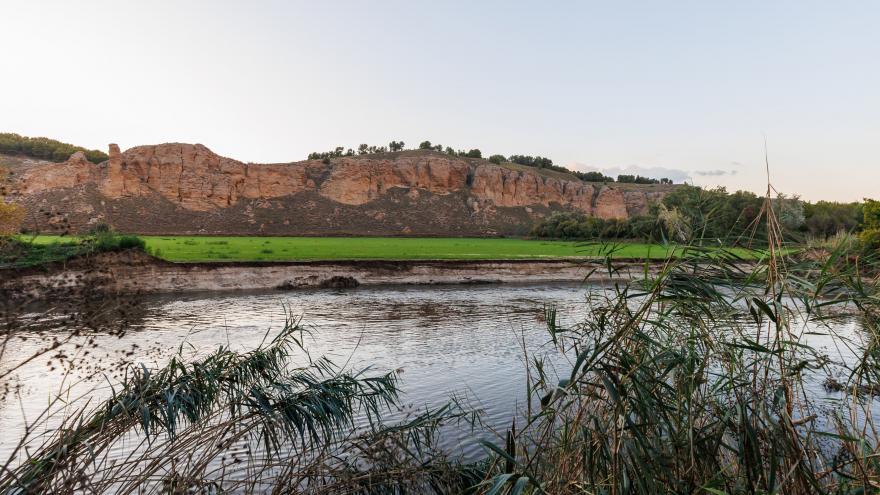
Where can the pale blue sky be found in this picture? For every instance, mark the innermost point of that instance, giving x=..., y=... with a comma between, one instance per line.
x=688, y=86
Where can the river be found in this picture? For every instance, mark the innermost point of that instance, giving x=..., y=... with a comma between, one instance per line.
x=464, y=341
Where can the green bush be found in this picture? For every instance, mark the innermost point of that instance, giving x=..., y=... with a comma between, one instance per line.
x=578, y=226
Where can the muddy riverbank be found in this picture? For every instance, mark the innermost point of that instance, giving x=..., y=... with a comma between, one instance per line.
x=136, y=272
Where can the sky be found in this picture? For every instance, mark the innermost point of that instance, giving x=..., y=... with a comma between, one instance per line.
x=686, y=90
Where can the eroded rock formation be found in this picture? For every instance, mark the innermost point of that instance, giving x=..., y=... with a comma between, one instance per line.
x=189, y=188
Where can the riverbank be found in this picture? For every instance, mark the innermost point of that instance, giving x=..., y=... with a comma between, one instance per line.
x=132, y=272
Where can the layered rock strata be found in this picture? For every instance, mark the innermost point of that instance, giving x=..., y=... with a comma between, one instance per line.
x=187, y=188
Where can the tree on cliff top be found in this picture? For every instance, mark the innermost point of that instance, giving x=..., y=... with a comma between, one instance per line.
x=45, y=148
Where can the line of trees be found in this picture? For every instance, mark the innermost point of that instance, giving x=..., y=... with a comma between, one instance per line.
x=691, y=213
x=540, y=162
x=45, y=148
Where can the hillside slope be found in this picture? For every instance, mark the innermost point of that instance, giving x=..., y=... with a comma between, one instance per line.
x=187, y=189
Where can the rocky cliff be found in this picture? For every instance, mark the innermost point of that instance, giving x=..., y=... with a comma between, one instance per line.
x=185, y=188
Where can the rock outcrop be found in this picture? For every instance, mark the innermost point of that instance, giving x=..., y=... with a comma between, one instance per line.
x=187, y=188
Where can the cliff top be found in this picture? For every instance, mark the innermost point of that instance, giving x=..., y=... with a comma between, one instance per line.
x=17, y=163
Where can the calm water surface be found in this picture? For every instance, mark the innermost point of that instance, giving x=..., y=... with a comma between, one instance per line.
x=454, y=340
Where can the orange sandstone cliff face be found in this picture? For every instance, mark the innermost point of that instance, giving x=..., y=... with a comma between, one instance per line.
x=186, y=188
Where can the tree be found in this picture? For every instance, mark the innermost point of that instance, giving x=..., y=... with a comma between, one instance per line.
x=425, y=145
x=870, y=237
x=789, y=212
x=363, y=149
x=474, y=153
x=497, y=159
x=594, y=176
x=449, y=150
x=395, y=145
x=45, y=148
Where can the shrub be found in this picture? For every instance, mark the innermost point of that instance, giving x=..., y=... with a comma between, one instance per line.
x=497, y=159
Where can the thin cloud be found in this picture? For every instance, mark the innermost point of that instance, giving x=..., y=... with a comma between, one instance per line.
x=714, y=173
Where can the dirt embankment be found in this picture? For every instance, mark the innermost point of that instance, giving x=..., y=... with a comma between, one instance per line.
x=134, y=272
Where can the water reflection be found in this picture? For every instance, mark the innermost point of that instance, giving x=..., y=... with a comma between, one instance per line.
x=463, y=340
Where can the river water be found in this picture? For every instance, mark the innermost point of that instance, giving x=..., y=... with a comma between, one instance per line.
x=465, y=341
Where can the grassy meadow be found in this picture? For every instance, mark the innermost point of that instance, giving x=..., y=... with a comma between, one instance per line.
x=210, y=248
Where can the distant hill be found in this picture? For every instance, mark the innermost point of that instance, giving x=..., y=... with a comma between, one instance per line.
x=181, y=188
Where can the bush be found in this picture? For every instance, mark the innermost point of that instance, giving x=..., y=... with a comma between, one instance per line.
x=109, y=241
x=578, y=226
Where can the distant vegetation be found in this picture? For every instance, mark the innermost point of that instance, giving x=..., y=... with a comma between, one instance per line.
x=45, y=148
x=539, y=162
x=716, y=216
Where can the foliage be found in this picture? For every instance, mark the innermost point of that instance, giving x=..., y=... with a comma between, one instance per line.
x=497, y=159
x=11, y=217
x=594, y=176
x=824, y=219
x=870, y=237
x=638, y=179
x=573, y=225
x=472, y=153
x=335, y=153
x=27, y=252
x=45, y=148
x=687, y=213
x=531, y=161
x=395, y=145
x=11, y=214
x=714, y=215
x=426, y=145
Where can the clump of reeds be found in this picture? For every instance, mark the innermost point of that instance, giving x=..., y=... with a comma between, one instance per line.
x=693, y=380
x=248, y=422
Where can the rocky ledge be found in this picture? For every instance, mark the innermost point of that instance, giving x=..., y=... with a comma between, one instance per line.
x=187, y=188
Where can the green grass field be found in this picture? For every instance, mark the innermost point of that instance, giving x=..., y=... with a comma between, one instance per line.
x=205, y=248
